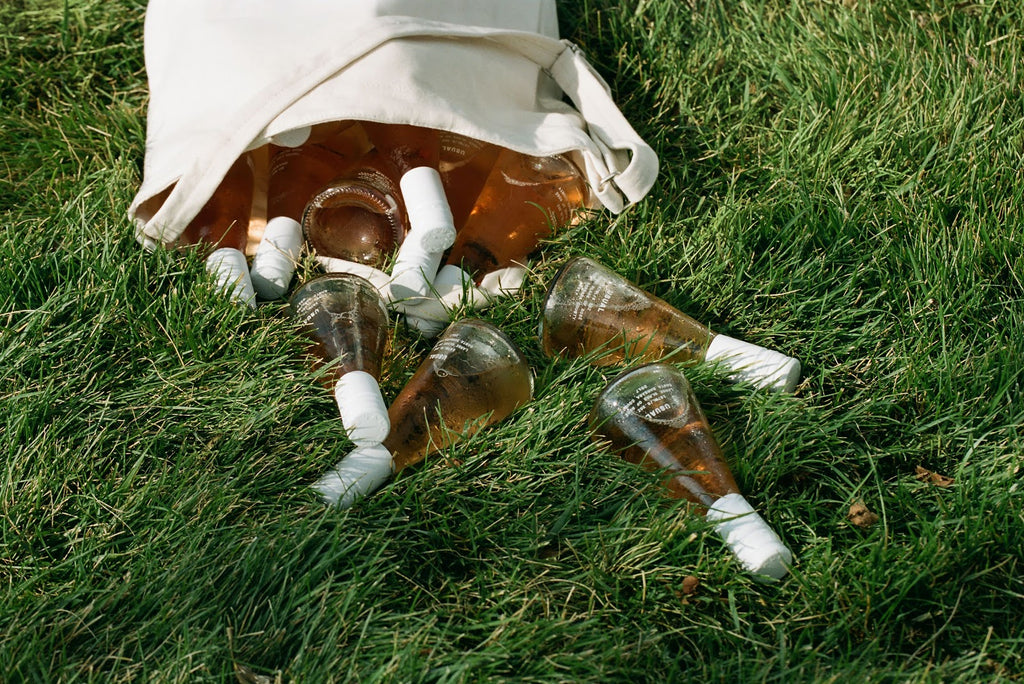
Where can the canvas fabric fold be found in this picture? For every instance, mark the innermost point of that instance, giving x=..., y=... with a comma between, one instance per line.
x=227, y=75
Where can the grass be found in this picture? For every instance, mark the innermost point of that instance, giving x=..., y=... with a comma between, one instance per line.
x=841, y=181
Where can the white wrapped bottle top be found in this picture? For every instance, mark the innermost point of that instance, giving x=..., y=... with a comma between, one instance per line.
x=452, y=288
x=360, y=473
x=362, y=408
x=292, y=137
x=754, y=543
x=231, y=272
x=276, y=257
x=749, y=362
x=504, y=281
x=378, y=278
x=431, y=232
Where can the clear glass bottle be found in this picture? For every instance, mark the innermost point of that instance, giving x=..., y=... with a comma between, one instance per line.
x=473, y=377
x=347, y=321
x=464, y=165
x=302, y=161
x=590, y=309
x=523, y=199
x=651, y=417
x=358, y=217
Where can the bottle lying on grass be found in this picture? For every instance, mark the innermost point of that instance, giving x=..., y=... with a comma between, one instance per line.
x=590, y=309
x=473, y=377
x=347, y=320
x=651, y=417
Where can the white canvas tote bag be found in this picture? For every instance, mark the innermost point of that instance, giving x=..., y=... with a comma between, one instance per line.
x=226, y=76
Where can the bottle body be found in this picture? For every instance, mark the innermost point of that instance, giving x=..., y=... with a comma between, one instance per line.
x=652, y=418
x=520, y=203
x=223, y=222
x=474, y=376
x=347, y=322
x=464, y=165
x=297, y=173
x=590, y=309
x=358, y=217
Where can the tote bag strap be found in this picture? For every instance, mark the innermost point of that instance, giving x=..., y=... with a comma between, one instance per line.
x=632, y=164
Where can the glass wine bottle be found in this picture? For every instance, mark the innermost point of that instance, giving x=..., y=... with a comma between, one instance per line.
x=410, y=156
x=651, y=417
x=523, y=199
x=590, y=309
x=347, y=321
x=303, y=161
x=473, y=377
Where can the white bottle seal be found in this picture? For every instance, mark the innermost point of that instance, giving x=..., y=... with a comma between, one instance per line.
x=378, y=278
x=276, y=257
x=431, y=232
x=503, y=281
x=231, y=273
x=293, y=137
x=754, y=543
x=361, y=472
x=452, y=288
x=362, y=408
x=751, y=363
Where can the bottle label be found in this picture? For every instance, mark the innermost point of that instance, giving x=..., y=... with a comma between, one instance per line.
x=587, y=299
x=658, y=403
x=323, y=302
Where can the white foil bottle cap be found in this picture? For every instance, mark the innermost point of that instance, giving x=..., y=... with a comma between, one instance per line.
x=749, y=362
x=361, y=472
x=378, y=278
x=292, y=137
x=276, y=257
x=231, y=273
x=362, y=408
x=754, y=543
x=503, y=281
x=431, y=232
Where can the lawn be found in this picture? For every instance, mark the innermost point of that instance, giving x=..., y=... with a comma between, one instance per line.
x=840, y=181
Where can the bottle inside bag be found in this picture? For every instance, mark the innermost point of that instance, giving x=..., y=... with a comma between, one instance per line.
x=410, y=156
x=523, y=199
x=464, y=165
x=358, y=217
x=223, y=222
x=297, y=173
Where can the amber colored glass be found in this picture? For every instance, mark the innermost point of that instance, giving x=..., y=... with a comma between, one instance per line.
x=224, y=219
x=358, y=217
x=523, y=199
x=589, y=308
x=464, y=165
x=404, y=147
x=651, y=417
x=347, y=321
x=473, y=377
x=298, y=173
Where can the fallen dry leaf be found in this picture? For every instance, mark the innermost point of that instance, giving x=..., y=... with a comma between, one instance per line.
x=861, y=516
x=925, y=475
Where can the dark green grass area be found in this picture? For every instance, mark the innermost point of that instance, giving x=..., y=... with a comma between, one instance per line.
x=840, y=181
